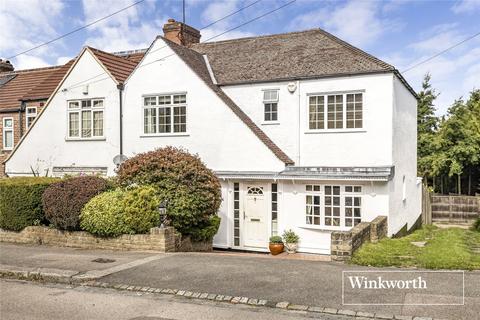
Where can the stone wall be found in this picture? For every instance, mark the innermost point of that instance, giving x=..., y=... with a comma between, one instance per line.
x=158, y=239
x=344, y=243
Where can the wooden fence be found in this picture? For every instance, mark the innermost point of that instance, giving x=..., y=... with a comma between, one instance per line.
x=454, y=208
x=426, y=205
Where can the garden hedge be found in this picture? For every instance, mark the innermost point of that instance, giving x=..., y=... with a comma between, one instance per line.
x=63, y=201
x=21, y=201
x=190, y=190
x=119, y=211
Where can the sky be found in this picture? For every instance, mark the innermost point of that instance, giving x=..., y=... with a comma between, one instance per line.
x=400, y=32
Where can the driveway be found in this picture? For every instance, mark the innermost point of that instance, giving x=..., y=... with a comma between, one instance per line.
x=299, y=282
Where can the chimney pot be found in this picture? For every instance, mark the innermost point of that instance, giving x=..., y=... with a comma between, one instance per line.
x=6, y=66
x=181, y=33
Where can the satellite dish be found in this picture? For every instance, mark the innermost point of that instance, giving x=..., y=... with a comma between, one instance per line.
x=119, y=159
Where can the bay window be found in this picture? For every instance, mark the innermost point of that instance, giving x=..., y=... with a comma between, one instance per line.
x=85, y=118
x=165, y=114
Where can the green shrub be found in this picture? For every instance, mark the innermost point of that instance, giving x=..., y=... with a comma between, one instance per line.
x=118, y=212
x=63, y=201
x=276, y=239
x=290, y=237
x=190, y=190
x=476, y=224
x=21, y=201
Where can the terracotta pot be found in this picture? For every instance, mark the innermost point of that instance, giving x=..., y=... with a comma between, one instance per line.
x=275, y=248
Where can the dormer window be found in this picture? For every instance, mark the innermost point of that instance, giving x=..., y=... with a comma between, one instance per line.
x=270, y=103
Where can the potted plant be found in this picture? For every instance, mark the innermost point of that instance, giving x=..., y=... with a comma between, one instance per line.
x=291, y=240
x=276, y=245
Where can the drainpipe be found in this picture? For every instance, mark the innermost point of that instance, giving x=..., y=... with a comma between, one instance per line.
x=299, y=121
x=120, y=95
x=20, y=120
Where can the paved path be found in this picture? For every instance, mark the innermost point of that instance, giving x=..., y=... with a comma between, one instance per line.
x=31, y=301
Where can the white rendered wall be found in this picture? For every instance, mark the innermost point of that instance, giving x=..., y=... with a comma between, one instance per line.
x=369, y=146
x=404, y=155
x=214, y=132
x=47, y=144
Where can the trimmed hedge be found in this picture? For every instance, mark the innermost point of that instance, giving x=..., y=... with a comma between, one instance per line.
x=63, y=201
x=21, y=201
x=118, y=212
x=190, y=190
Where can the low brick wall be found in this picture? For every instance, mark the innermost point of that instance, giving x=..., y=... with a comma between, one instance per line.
x=185, y=244
x=344, y=243
x=158, y=239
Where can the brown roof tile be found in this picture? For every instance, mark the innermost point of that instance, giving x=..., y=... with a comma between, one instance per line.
x=197, y=63
x=24, y=82
x=296, y=55
x=119, y=67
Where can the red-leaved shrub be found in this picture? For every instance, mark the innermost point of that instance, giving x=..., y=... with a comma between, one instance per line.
x=63, y=201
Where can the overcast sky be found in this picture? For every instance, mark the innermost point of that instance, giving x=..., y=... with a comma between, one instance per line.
x=400, y=32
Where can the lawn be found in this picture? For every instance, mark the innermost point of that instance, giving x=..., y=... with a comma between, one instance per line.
x=451, y=248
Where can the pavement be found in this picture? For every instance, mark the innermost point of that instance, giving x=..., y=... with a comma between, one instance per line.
x=28, y=300
x=300, y=282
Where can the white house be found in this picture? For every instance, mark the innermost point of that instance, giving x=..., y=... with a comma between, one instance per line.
x=304, y=131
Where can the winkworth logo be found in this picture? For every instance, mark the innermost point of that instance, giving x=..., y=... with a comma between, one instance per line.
x=378, y=283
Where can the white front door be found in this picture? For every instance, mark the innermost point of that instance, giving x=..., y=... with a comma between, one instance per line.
x=255, y=223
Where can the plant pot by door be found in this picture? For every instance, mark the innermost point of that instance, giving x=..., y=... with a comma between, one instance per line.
x=291, y=247
x=275, y=248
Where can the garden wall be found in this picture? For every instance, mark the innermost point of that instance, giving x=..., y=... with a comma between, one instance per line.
x=344, y=243
x=158, y=239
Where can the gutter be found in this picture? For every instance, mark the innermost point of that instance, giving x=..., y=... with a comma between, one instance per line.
x=120, y=88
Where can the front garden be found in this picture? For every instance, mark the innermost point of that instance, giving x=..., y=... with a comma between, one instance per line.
x=429, y=247
x=132, y=203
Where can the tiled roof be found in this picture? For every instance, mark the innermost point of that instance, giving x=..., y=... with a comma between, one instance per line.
x=24, y=82
x=296, y=55
x=119, y=67
x=197, y=63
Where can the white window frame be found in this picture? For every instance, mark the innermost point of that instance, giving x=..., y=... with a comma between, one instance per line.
x=318, y=190
x=270, y=100
x=10, y=129
x=325, y=96
x=171, y=107
x=28, y=116
x=79, y=111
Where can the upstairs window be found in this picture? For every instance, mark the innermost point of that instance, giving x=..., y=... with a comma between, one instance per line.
x=165, y=114
x=335, y=111
x=85, y=118
x=7, y=133
x=31, y=114
x=270, y=105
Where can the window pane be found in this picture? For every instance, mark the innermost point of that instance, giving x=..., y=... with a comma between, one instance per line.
x=73, y=104
x=181, y=98
x=179, y=119
x=73, y=124
x=86, y=124
x=150, y=101
x=164, y=119
x=150, y=120
x=98, y=103
x=316, y=112
x=164, y=99
x=86, y=103
x=8, y=139
x=98, y=123
x=335, y=112
x=354, y=110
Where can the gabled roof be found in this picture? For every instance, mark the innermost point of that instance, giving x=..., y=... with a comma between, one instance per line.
x=26, y=81
x=119, y=67
x=196, y=62
x=295, y=55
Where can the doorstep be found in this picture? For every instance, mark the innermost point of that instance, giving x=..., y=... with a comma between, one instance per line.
x=283, y=255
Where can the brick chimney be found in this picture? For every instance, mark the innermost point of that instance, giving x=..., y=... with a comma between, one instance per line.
x=5, y=66
x=181, y=33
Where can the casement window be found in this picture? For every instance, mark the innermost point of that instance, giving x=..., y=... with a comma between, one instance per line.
x=7, y=133
x=335, y=111
x=31, y=114
x=85, y=118
x=274, y=209
x=270, y=105
x=333, y=205
x=164, y=114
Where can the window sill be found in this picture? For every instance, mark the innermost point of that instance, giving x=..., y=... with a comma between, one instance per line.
x=7, y=149
x=324, y=228
x=86, y=139
x=269, y=123
x=157, y=135
x=335, y=131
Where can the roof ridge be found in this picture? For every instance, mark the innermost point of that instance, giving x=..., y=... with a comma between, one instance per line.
x=112, y=55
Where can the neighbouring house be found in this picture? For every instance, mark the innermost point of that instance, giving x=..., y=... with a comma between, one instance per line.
x=304, y=131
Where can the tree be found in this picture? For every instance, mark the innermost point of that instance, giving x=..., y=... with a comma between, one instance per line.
x=427, y=124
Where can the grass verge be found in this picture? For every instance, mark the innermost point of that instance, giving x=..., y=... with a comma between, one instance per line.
x=451, y=248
